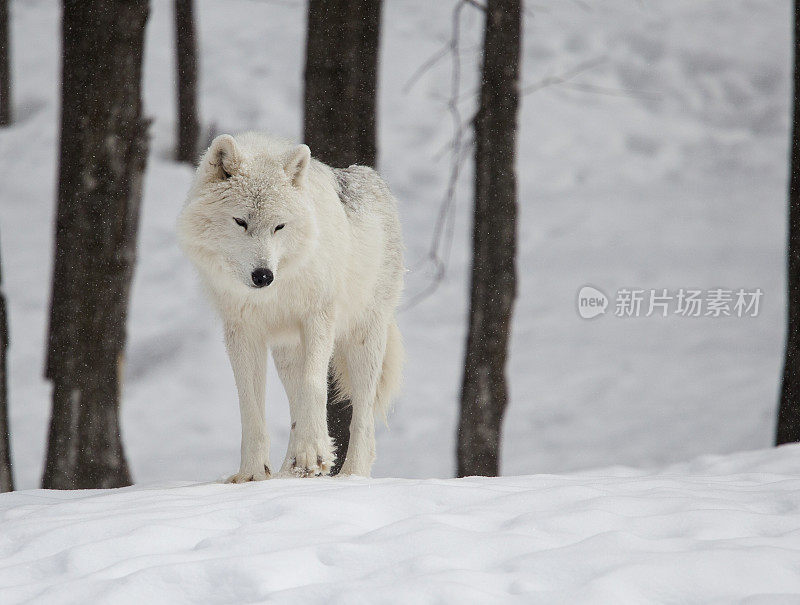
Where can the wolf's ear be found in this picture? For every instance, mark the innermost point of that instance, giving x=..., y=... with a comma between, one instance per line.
x=223, y=157
x=296, y=165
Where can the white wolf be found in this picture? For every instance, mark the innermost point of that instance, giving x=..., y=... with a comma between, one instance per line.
x=304, y=260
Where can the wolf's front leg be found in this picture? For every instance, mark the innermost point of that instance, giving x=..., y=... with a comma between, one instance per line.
x=303, y=369
x=248, y=355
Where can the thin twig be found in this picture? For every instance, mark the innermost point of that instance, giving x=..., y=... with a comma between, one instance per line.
x=563, y=78
x=427, y=65
x=476, y=4
x=438, y=252
x=612, y=92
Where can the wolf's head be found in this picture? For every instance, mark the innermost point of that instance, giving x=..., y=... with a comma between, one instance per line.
x=248, y=220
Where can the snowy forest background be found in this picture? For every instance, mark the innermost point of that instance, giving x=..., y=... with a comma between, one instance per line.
x=652, y=153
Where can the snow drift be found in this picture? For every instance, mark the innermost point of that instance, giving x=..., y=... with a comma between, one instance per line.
x=717, y=529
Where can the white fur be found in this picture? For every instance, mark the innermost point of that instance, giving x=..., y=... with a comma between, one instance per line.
x=338, y=274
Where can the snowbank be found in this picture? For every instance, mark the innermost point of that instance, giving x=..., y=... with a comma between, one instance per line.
x=718, y=529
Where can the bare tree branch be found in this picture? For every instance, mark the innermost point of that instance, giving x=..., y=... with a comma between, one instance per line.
x=563, y=78
x=438, y=252
x=630, y=93
x=425, y=67
x=443, y=228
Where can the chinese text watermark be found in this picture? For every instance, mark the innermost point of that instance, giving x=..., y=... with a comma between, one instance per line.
x=663, y=302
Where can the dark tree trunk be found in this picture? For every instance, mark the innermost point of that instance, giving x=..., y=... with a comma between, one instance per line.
x=5, y=66
x=102, y=160
x=340, y=115
x=341, y=81
x=186, y=62
x=6, y=478
x=484, y=392
x=788, y=429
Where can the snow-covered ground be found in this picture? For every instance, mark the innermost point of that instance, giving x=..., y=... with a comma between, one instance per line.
x=660, y=164
x=718, y=530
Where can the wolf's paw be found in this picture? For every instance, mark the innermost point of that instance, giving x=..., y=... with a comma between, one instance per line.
x=308, y=459
x=245, y=475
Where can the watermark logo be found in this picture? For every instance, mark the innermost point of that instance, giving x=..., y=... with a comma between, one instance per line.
x=663, y=302
x=591, y=302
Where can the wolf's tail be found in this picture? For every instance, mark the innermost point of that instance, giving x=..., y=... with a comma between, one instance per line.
x=391, y=373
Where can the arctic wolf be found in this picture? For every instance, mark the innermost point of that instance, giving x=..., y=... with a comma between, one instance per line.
x=306, y=261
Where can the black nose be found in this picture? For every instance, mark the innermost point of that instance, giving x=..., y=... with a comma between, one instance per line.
x=262, y=277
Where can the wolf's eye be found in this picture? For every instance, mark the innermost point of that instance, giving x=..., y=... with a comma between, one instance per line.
x=241, y=222
x=279, y=227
